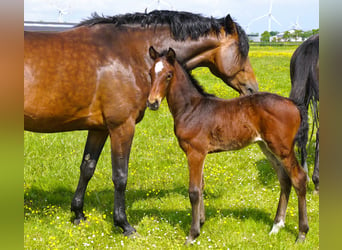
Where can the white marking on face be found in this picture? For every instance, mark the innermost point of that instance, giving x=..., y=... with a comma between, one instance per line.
x=159, y=66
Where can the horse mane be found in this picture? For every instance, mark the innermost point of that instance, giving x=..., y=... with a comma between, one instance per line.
x=182, y=24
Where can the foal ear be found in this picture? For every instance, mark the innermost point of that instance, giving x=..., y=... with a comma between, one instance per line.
x=171, y=56
x=153, y=53
x=230, y=25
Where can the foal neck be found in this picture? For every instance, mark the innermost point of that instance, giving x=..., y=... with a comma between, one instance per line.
x=183, y=94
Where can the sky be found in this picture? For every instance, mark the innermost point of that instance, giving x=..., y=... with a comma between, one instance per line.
x=286, y=12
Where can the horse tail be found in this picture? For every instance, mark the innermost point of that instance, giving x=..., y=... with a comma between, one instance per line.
x=304, y=87
x=301, y=137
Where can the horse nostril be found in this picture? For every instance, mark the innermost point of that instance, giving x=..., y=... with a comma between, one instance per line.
x=153, y=106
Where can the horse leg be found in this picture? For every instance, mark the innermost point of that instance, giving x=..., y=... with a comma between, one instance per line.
x=285, y=189
x=298, y=179
x=195, y=162
x=315, y=175
x=303, y=155
x=202, y=209
x=121, y=142
x=92, y=151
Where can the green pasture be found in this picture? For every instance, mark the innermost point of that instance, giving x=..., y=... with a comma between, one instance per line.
x=241, y=188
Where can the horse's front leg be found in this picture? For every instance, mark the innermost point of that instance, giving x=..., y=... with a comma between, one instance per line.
x=121, y=141
x=195, y=161
x=92, y=151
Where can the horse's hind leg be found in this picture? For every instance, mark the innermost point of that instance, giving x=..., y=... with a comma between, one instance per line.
x=202, y=209
x=285, y=189
x=315, y=175
x=298, y=179
x=92, y=151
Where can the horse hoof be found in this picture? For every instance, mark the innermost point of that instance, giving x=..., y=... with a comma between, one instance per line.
x=132, y=235
x=301, y=238
x=276, y=227
x=189, y=241
x=130, y=232
x=78, y=221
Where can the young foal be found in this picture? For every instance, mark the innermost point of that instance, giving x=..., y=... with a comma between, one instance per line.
x=266, y=118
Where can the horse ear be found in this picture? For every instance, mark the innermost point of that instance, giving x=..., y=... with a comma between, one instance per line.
x=171, y=55
x=230, y=25
x=153, y=53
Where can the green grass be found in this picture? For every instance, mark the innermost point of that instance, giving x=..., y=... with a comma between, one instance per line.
x=241, y=192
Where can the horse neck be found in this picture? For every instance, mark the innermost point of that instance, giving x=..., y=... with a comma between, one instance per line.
x=188, y=50
x=182, y=95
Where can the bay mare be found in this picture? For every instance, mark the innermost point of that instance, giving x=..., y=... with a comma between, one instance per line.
x=95, y=77
x=206, y=124
x=304, y=73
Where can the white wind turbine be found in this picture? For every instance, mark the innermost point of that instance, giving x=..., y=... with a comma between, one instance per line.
x=270, y=18
x=296, y=25
x=62, y=10
x=159, y=3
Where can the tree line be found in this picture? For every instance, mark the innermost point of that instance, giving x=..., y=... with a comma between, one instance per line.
x=294, y=35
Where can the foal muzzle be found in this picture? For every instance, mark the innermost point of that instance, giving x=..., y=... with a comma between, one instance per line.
x=153, y=106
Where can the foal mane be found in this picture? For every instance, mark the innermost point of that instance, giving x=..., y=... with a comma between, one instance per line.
x=182, y=24
x=189, y=76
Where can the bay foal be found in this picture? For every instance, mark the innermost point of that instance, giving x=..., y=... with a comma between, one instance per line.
x=206, y=124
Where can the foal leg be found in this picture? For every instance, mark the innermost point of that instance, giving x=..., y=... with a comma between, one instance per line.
x=285, y=189
x=298, y=179
x=92, y=151
x=315, y=175
x=121, y=141
x=195, y=162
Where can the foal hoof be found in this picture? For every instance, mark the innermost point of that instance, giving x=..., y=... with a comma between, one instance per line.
x=301, y=238
x=189, y=242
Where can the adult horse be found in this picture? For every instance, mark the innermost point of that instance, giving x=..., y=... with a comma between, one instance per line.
x=272, y=121
x=304, y=72
x=95, y=77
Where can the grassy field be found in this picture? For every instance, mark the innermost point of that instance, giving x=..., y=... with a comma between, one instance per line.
x=241, y=192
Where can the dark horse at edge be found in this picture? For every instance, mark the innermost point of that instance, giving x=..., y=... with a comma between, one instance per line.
x=304, y=73
x=95, y=77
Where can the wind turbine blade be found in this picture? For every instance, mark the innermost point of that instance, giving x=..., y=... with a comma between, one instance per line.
x=270, y=11
x=273, y=18
x=258, y=18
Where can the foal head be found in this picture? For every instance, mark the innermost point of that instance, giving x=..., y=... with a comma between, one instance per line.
x=161, y=74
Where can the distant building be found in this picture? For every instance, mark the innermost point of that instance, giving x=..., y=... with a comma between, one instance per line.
x=47, y=26
x=280, y=37
x=254, y=37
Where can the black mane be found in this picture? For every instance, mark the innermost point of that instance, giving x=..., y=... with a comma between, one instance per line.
x=196, y=84
x=182, y=24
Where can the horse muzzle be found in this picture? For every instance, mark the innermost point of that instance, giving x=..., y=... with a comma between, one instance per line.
x=153, y=106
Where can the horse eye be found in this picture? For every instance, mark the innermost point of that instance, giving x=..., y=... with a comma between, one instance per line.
x=169, y=76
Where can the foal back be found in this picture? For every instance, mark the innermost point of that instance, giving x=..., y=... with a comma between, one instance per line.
x=239, y=122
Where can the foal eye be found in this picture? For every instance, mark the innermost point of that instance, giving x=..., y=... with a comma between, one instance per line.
x=169, y=76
